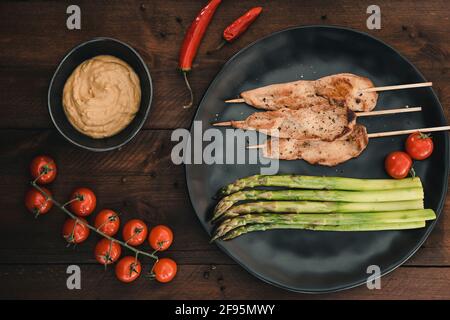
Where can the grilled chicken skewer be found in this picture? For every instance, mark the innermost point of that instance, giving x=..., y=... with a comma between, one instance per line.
x=317, y=122
x=343, y=89
x=339, y=89
x=326, y=123
x=326, y=153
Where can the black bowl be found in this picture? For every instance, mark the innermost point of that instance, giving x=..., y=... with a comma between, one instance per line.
x=85, y=51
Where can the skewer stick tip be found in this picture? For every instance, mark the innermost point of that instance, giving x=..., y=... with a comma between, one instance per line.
x=238, y=100
x=222, y=124
x=398, y=87
x=257, y=146
x=409, y=131
x=388, y=111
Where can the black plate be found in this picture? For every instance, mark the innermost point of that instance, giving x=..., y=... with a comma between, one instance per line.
x=308, y=261
x=82, y=52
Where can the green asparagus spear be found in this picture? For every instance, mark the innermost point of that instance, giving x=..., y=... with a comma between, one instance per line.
x=311, y=182
x=352, y=227
x=318, y=195
x=325, y=219
x=320, y=207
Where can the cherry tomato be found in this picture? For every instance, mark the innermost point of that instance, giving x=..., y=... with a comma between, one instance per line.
x=107, y=221
x=36, y=202
x=85, y=203
x=165, y=270
x=128, y=269
x=160, y=238
x=134, y=232
x=419, y=146
x=43, y=169
x=398, y=164
x=74, y=231
x=107, y=251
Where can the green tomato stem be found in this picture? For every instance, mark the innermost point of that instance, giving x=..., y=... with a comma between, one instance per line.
x=70, y=214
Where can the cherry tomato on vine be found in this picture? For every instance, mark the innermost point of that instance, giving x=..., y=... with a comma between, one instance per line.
x=36, y=202
x=43, y=169
x=74, y=231
x=128, y=269
x=165, y=270
x=107, y=221
x=419, y=145
x=160, y=238
x=134, y=232
x=85, y=203
x=107, y=251
x=398, y=164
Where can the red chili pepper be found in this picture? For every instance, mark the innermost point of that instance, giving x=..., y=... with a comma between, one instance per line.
x=192, y=39
x=239, y=26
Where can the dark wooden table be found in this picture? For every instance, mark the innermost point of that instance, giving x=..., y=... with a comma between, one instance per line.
x=140, y=180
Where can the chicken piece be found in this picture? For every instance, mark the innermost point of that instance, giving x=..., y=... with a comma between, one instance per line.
x=319, y=152
x=342, y=89
x=318, y=122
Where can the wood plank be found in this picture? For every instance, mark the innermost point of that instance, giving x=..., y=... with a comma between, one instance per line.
x=203, y=282
x=139, y=181
x=29, y=55
x=148, y=153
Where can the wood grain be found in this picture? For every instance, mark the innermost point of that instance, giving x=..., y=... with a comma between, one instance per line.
x=140, y=180
x=204, y=282
x=31, y=51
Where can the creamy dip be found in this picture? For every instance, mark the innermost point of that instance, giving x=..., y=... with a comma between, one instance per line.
x=102, y=96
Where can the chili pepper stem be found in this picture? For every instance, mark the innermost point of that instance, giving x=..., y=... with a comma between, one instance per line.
x=219, y=46
x=191, y=102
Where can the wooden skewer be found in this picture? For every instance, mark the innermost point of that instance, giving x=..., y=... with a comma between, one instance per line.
x=358, y=114
x=382, y=134
x=400, y=132
x=257, y=146
x=398, y=87
x=239, y=100
x=391, y=111
x=222, y=124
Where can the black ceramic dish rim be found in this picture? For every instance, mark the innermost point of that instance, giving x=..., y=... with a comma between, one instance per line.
x=430, y=225
x=145, y=116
